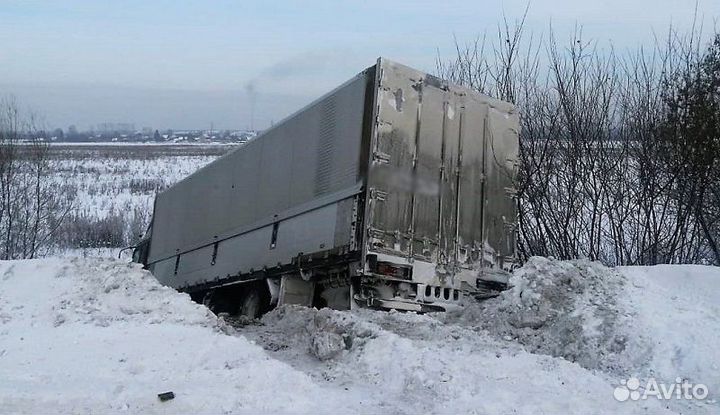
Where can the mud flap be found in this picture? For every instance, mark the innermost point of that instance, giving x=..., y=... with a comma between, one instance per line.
x=294, y=290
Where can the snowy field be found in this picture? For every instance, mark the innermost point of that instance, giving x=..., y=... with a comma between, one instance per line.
x=106, y=178
x=83, y=335
x=112, y=188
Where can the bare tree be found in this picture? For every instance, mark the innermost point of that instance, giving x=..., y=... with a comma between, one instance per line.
x=619, y=154
x=691, y=133
x=31, y=208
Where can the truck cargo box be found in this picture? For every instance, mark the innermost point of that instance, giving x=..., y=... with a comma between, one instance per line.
x=395, y=184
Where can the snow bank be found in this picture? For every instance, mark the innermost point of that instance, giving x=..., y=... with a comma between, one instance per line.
x=657, y=322
x=678, y=312
x=418, y=364
x=102, y=336
x=568, y=309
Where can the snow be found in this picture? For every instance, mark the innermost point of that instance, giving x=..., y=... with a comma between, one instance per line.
x=416, y=364
x=678, y=310
x=568, y=309
x=84, y=336
x=100, y=335
x=101, y=184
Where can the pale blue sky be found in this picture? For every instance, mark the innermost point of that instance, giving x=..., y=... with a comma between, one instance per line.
x=184, y=64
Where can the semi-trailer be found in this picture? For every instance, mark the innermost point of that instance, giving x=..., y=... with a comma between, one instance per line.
x=393, y=191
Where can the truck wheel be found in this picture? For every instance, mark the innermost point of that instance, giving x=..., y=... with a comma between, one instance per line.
x=254, y=302
x=207, y=299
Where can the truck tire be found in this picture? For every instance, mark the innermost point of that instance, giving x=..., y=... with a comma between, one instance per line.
x=250, y=304
x=216, y=300
x=254, y=301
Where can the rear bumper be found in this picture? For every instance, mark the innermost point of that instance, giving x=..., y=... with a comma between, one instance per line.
x=381, y=292
x=425, y=288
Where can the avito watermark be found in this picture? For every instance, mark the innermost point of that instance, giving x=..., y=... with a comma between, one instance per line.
x=681, y=389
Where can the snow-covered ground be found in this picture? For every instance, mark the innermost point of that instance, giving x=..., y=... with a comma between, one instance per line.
x=109, y=190
x=678, y=311
x=105, y=179
x=93, y=335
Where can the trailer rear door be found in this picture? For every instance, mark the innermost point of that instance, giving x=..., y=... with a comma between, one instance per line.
x=441, y=171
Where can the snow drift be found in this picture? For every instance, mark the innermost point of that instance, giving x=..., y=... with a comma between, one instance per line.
x=100, y=335
x=568, y=309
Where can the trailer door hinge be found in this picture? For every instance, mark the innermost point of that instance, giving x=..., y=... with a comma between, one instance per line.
x=380, y=157
x=378, y=194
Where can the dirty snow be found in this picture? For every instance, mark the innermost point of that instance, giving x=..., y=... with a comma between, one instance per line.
x=568, y=309
x=86, y=335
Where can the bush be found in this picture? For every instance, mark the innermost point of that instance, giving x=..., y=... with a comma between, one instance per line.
x=84, y=231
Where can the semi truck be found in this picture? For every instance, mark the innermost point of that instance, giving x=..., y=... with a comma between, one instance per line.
x=393, y=191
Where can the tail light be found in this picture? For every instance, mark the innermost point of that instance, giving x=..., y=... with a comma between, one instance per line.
x=391, y=270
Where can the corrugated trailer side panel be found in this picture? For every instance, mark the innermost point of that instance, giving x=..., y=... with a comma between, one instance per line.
x=293, y=181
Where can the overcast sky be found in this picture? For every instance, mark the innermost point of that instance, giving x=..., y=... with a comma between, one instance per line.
x=172, y=64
